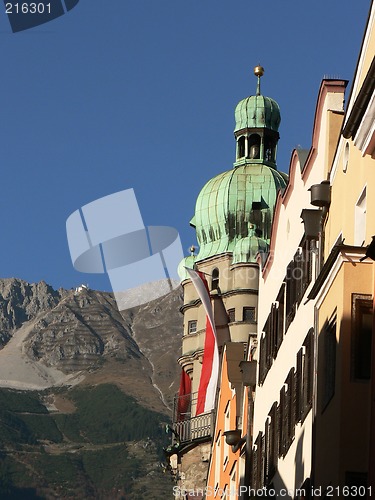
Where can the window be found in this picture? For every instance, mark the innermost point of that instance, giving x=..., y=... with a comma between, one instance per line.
x=287, y=421
x=231, y=315
x=262, y=360
x=308, y=373
x=269, y=343
x=360, y=220
x=272, y=440
x=280, y=315
x=269, y=148
x=258, y=462
x=241, y=147
x=248, y=314
x=254, y=146
x=298, y=386
x=290, y=417
x=329, y=344
x=298, y=278
x=283, y=410
x=291, y=296
x=361, y=337
x=192, y=327
x=215, y=279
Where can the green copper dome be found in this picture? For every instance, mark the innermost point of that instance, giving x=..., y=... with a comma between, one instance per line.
x=229, y=201
x=245, y=196
x=246, y=249
x=257, y=111
x=187, y=262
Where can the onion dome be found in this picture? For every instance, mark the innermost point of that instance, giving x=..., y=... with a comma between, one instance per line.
x=187, y=262
x=246, y=249
x=247, y=193
x=230, y=201
x=257, y=111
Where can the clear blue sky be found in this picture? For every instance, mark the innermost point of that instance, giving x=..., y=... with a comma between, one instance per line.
x=121, y=94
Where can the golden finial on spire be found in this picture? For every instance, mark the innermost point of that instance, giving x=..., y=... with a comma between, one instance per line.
x=258, y=71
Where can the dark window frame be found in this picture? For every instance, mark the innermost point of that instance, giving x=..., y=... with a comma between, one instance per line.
x=252, y=312
x=361, y=338
x=215, y=279
x=307, y=374
x=231, y=315
x=328, y=334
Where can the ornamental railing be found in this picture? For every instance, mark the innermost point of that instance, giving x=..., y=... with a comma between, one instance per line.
x=188, y=426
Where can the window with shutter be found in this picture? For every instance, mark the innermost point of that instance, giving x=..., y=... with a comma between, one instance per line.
x=284, y=420
x=307, y=370
x=298, y=275
x=307, y=263
x=266, y=450
x=328, y=335
x=254, y=471
x=273, y=329
x=259, y=460
x=279, y=421
x=263, y=462
x=273, y=443
x=280, y=315
x=267, y=332
x=298, y=386
x=291, y=406
x=262, y=360
x=290, y=299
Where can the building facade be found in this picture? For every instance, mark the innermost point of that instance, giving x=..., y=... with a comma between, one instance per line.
x=313, y=414
x=344, y=296
x=283, y=412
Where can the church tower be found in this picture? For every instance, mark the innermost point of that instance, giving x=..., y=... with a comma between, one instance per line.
x=233, y=216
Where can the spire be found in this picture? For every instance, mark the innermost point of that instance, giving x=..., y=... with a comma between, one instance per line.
x=256, y=130
x=259, y=72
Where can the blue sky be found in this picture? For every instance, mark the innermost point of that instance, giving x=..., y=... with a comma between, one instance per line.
x=122, y=94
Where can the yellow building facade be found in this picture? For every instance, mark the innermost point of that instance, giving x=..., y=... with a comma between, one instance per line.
x=344, y=296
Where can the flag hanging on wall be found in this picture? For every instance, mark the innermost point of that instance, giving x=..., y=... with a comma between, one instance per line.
x=210, y=364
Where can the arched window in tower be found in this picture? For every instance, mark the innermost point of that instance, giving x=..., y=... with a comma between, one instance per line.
x=215, y=279
x=254, y=147
x=241, y=147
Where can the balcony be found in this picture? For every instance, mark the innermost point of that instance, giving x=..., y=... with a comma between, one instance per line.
x=187, y=426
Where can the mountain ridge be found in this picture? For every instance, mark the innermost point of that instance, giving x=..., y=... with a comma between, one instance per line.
x=65, y=337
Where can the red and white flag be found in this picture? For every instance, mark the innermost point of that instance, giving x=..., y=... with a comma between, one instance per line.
x=210, y=364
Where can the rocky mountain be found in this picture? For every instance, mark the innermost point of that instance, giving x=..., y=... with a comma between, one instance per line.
x=21, y=301
x=85, y=392
x=51, y=337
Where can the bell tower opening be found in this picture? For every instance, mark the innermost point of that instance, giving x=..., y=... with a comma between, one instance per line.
x=241, y=147
x=257, y=123
x=254, y=147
